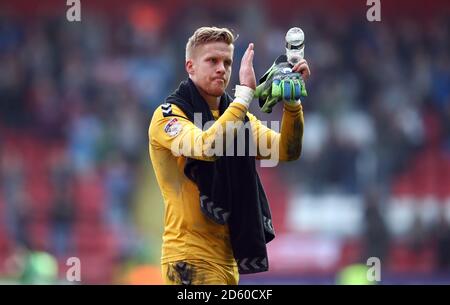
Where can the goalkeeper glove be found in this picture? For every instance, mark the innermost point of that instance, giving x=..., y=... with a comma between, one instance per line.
x=279, y=83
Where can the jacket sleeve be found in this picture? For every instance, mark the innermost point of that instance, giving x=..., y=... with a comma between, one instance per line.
x=176, y=133
x=285, y=145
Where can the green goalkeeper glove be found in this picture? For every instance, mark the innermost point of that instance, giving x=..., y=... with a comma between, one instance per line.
x=279, y=83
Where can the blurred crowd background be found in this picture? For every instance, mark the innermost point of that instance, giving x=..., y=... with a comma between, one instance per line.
x=76, y=99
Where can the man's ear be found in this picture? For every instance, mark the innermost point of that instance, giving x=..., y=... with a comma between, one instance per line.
x=189, y=65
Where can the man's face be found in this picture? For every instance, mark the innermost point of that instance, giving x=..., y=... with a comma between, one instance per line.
x=210, y=67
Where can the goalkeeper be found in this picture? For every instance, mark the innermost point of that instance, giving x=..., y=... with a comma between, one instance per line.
x=217, y=219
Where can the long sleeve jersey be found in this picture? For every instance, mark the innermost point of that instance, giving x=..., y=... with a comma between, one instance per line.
x=188, y=234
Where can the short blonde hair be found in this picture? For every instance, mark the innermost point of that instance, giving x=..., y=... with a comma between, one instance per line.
x=208, y=34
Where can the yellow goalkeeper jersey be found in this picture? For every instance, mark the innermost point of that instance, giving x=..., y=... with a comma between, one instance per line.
x=188, y=233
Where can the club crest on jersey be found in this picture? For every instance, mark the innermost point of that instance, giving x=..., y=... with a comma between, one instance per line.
x=173, y=127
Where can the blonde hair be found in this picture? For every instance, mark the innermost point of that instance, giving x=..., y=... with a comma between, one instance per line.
x=208, y=34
